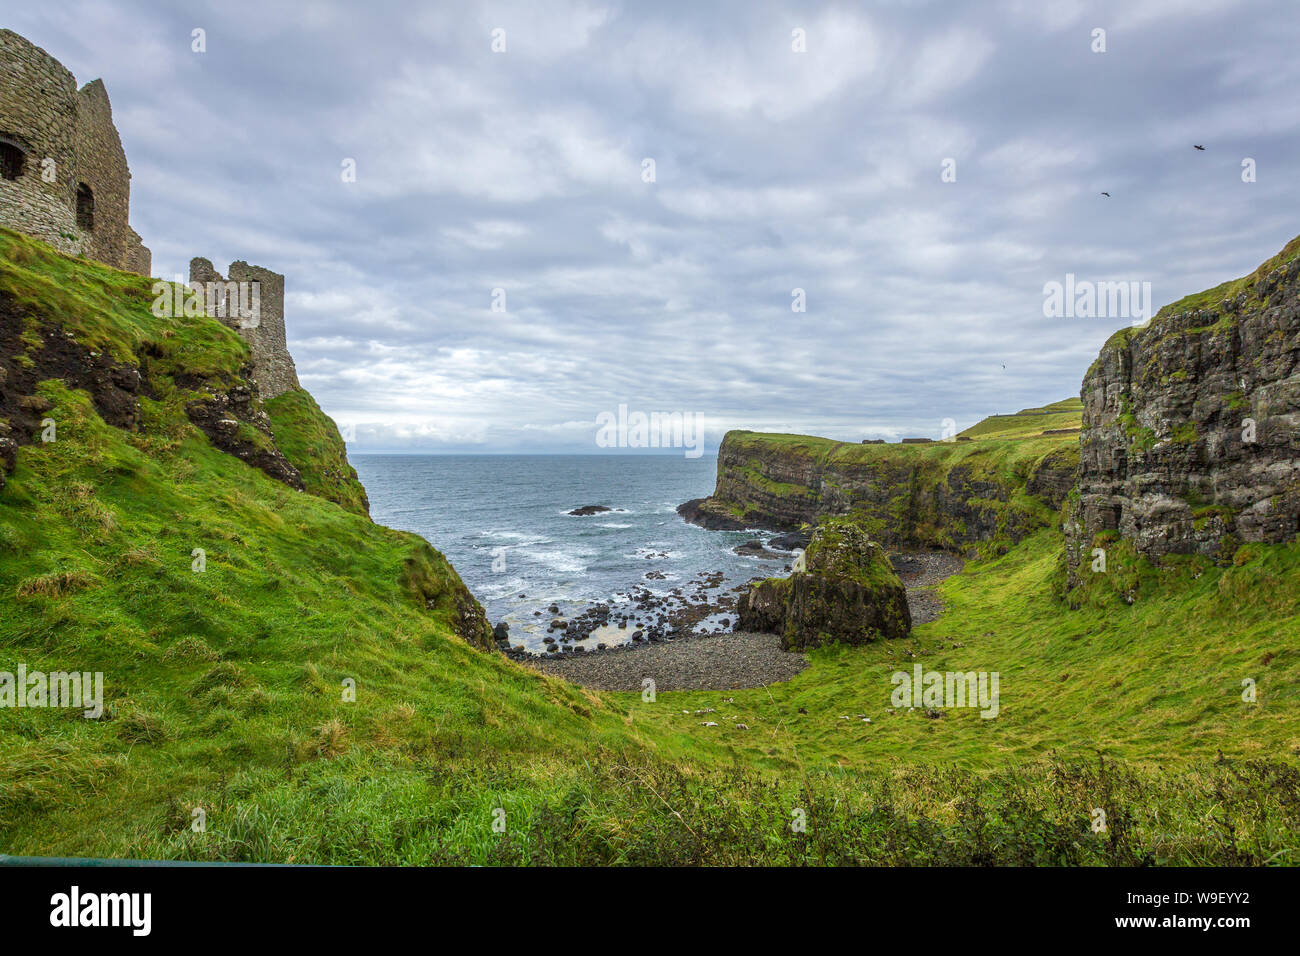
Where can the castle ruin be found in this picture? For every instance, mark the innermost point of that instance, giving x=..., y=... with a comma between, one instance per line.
x=64, y=180
x=273, y=366
x=63, y=172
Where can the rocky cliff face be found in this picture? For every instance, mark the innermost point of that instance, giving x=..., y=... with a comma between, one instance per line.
x=1191, y=424
x=960, y=496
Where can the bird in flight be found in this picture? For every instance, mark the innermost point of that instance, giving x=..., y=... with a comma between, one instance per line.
x=1201, y=148
x=1107, y=195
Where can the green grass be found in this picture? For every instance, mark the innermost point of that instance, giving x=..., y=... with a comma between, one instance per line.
x=310, y=440
x=109, y=311
x=225, y=687
x=904, y=493
x=1159, y=679
x=1008, y=446
x=1029, y=422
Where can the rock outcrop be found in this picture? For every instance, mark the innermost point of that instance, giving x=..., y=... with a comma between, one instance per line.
x=848, y=593
x=1191, y=424
x=984, y=494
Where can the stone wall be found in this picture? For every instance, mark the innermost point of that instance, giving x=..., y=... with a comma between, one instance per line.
x=42, y=216
x=273, y=366
x=1191, y=424
x=101, y=165
x=138, y=257
x=67, y=139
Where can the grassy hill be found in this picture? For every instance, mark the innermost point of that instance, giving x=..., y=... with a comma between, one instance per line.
x=224, y=686
x=1058, y=417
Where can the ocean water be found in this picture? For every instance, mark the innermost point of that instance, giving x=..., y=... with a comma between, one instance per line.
x=509, y=511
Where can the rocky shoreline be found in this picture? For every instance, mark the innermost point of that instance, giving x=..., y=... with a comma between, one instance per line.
x=634, y=619
x=677, y=654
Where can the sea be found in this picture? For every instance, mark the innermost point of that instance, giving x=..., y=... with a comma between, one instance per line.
x=503, y=522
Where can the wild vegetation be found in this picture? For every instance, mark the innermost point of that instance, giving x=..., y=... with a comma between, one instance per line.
x=980, y=495
x=227, y=680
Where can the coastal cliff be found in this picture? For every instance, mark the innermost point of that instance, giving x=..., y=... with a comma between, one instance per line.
x=1003, y=479
x=140, y=467
x=1191, y=424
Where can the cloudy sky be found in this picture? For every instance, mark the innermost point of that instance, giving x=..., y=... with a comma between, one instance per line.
x=774, y=170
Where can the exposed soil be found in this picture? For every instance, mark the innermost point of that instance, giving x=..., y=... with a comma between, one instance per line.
x=219, y=418
x=114, y=389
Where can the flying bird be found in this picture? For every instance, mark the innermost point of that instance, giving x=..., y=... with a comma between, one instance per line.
x=1107, y=195
x=1201, y=148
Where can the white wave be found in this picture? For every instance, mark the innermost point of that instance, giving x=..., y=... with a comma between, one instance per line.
x=565, y=562
x=521, y=536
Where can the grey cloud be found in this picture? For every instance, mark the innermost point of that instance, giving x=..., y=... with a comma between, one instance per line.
x=775, y=170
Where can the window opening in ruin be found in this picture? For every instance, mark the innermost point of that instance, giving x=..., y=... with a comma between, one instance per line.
x=85, y=207
x=11, y=160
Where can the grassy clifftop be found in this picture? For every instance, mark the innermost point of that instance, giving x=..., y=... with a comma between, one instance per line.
x=982, y=494
x=1063, y=416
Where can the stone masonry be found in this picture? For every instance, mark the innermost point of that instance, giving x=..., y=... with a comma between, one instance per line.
x=66, y=179
x=273, y=366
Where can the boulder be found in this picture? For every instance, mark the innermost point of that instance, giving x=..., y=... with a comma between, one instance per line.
x=755, y=549
x=790, y=541
x=763, y=607
x=699, y=511
x=849, y=593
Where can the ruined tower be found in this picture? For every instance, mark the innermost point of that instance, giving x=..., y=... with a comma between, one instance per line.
x=273, y=366
x=63, y=173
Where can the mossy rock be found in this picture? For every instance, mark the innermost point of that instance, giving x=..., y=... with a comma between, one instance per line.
x=849, y=593
x=763, y=607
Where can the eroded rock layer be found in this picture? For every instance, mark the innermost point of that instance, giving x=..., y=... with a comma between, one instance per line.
x=1191, y=424
x=966, y=496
